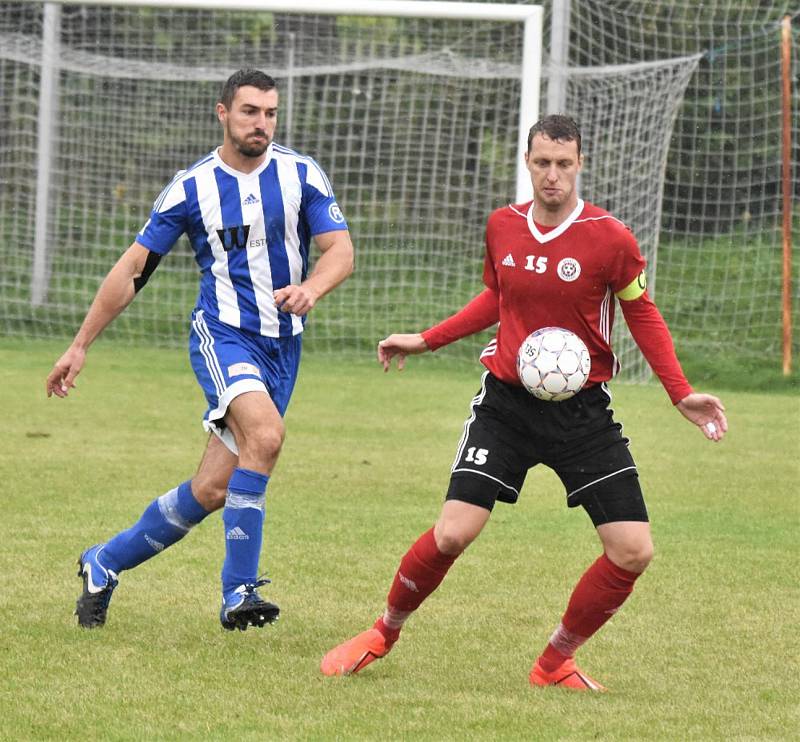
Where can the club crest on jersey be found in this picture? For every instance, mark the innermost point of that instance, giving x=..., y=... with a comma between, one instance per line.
x=335, y=213
x=234, y=238
x=568, y=269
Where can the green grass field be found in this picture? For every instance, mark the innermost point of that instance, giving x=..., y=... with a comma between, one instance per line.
x=706, y=649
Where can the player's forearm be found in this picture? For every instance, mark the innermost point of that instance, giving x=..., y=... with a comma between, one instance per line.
x=654, y=340
x=114, y=294
x=332, y=267
x=481, y=312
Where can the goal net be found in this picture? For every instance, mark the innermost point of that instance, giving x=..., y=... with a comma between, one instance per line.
x=719, y=254
x=415, y=121
x=626, y=113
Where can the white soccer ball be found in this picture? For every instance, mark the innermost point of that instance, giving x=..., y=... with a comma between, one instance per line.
x=553, y=364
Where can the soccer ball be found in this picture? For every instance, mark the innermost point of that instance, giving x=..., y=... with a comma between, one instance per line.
x=553, y=363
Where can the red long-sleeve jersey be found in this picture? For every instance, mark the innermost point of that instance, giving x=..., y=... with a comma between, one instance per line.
x=565, y=276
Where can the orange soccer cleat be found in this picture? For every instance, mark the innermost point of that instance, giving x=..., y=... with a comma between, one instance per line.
x=355, y=654
x=566, y=676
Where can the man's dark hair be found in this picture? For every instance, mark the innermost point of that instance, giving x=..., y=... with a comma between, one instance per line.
x=243, y=77
x=558, y=127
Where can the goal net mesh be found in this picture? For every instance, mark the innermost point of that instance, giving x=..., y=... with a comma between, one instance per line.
x=416, y=122
x=416, y=130
x=719, y=264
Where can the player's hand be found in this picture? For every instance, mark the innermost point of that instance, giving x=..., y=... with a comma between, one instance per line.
x=298, y=300
x=62, y=378
x=400, y=346
x=707, y=412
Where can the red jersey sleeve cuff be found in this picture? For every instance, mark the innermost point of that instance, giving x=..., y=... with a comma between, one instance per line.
x=482, y=312
x=433, y=339
x=678, y=391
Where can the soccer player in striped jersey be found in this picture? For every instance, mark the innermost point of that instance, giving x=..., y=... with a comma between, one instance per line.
x=556, y=261
x=250, y=210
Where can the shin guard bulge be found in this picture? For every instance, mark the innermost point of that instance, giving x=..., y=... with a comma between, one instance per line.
x=421, y=571
x=600, y=592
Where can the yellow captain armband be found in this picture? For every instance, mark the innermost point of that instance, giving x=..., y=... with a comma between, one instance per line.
x=634, y=289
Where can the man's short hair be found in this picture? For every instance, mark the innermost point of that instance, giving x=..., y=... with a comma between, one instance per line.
x=557, y=127
x=240, y=79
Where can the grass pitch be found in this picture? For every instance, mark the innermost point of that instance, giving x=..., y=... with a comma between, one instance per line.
x=705, y=649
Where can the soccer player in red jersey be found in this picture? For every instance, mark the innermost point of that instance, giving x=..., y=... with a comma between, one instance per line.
x=556, y=261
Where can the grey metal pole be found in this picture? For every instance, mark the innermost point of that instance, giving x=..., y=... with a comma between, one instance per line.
x=287, y=137
x=46, y=130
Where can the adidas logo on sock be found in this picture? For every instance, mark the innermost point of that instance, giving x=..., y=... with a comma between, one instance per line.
x=237, y=534
x=251, y=199
x=509, y=261
x=410, y=584
x=157, y=545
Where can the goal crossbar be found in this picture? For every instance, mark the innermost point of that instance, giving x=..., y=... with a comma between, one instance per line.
x=385, y=8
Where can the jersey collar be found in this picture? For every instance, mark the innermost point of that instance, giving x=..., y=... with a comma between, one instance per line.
x=559, y=230
x=232, y=171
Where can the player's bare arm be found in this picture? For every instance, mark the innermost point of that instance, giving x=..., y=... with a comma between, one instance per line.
x=115, y=293
x=707, y=412
x=400, y=345
x=335, y=264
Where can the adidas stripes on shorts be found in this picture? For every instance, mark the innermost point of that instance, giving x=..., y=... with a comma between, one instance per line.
x=229, y=361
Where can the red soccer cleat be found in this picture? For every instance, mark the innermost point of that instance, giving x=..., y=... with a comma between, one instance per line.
x=355, y=654
x=566, y=676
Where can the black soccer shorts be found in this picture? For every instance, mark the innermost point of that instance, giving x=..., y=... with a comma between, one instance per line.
x=510, y=431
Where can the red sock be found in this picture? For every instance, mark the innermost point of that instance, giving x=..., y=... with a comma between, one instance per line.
x=391, y=635
x=421, y=570
x=602, y=589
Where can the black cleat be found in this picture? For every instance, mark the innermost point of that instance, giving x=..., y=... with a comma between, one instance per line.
x=98, y=584
x=245, y=607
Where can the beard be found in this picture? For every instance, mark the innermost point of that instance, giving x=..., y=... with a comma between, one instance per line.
x=250, y=148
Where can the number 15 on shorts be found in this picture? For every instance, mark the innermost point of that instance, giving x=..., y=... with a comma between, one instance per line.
x=476, y=456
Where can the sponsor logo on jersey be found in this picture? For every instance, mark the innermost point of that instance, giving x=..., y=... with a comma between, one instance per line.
x=509, y=261
x=243, y=369
x=250, y=200
x=335, y=213
x=568, y=269
x=234, y=238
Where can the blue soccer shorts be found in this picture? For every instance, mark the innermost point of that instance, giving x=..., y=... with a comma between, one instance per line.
x=228, y=361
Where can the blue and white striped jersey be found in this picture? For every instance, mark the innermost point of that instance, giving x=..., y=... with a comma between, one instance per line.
x=250, y=232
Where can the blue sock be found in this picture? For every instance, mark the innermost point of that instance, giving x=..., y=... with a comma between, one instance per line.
x=243, y=517
x=166, y=520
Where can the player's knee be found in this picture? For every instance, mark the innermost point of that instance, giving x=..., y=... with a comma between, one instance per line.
x=264, y=443
x=634, y=556
x=453, y=538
